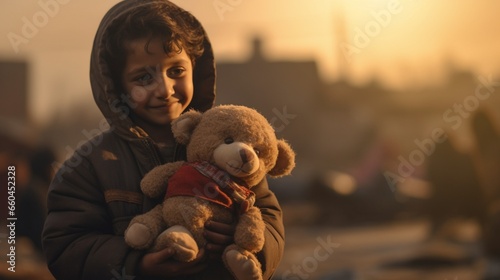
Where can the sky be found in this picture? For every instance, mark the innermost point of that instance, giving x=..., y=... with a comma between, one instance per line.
x=400, y=43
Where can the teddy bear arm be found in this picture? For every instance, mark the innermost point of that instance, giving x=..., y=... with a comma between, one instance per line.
x=249, y=233
x=154, y=182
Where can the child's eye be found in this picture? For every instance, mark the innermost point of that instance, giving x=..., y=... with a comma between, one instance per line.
x=176, y=72
x=145, y=79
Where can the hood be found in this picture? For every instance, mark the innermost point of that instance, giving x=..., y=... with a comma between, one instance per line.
x=108, y=98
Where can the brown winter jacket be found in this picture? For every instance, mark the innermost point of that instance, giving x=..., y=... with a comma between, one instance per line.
x=96, y=192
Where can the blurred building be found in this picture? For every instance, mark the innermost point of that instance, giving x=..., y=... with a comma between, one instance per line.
x=14, y=115
x=14, y=85
x=283, y=91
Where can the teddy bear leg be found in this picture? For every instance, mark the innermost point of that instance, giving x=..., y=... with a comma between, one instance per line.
x=143, y=229
x=242, y=264
x=181, y=240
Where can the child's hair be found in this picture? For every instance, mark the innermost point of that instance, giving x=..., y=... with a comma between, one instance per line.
x=178, y=29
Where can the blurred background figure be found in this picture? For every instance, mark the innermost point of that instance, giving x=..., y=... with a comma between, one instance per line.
x=456, y=191
x=487, y=160
x=466, y=186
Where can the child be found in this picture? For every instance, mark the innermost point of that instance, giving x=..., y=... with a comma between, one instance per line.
x=150, y=62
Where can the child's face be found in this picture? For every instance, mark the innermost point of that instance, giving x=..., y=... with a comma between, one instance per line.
x=159, y=85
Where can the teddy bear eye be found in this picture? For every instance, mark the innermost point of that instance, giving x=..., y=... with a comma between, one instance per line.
x=257, y=151
x=228, y=140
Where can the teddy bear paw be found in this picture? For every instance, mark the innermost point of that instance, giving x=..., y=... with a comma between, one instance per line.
x=138, y=236
x=181, y=240
x=242, y=264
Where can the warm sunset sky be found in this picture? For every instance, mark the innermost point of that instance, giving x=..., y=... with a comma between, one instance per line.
x=410, y=43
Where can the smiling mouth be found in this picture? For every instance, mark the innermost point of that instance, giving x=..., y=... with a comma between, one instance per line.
x=164, y=105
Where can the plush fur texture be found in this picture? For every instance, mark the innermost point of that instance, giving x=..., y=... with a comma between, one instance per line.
x=238, y=140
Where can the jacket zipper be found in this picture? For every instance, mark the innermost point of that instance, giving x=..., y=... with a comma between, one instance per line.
x=156, y=159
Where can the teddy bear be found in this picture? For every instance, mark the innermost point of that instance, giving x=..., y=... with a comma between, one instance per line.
x=229, y=149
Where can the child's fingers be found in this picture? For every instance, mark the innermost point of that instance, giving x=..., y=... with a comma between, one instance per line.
x=163, y=255
x=217, y=238
x=221, y=228
x=218, y=235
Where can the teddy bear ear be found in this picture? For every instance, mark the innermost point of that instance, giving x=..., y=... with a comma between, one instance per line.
x=184, y=125
x=285, y=161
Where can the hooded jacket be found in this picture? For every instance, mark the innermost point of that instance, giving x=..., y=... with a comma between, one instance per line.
x=96, y=192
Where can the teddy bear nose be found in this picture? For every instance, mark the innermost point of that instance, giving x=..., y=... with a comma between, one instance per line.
x=246, y=155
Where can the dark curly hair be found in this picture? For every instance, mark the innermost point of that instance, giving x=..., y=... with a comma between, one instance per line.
x=178, y=29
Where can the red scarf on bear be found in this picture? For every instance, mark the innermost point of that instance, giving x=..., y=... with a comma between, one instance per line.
x=206, y=181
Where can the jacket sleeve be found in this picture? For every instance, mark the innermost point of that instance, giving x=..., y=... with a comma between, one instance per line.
x=274, y=245
x=78, y=239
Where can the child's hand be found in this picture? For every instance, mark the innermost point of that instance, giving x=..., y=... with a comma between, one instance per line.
x=219, y=236
x=162, y=264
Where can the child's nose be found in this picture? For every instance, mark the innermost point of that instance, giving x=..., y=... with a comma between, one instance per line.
x=165, y=88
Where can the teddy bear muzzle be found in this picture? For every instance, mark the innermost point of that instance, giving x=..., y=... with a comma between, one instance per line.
x=237, y=158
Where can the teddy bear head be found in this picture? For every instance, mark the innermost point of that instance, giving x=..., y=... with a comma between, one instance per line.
x=236, y=139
